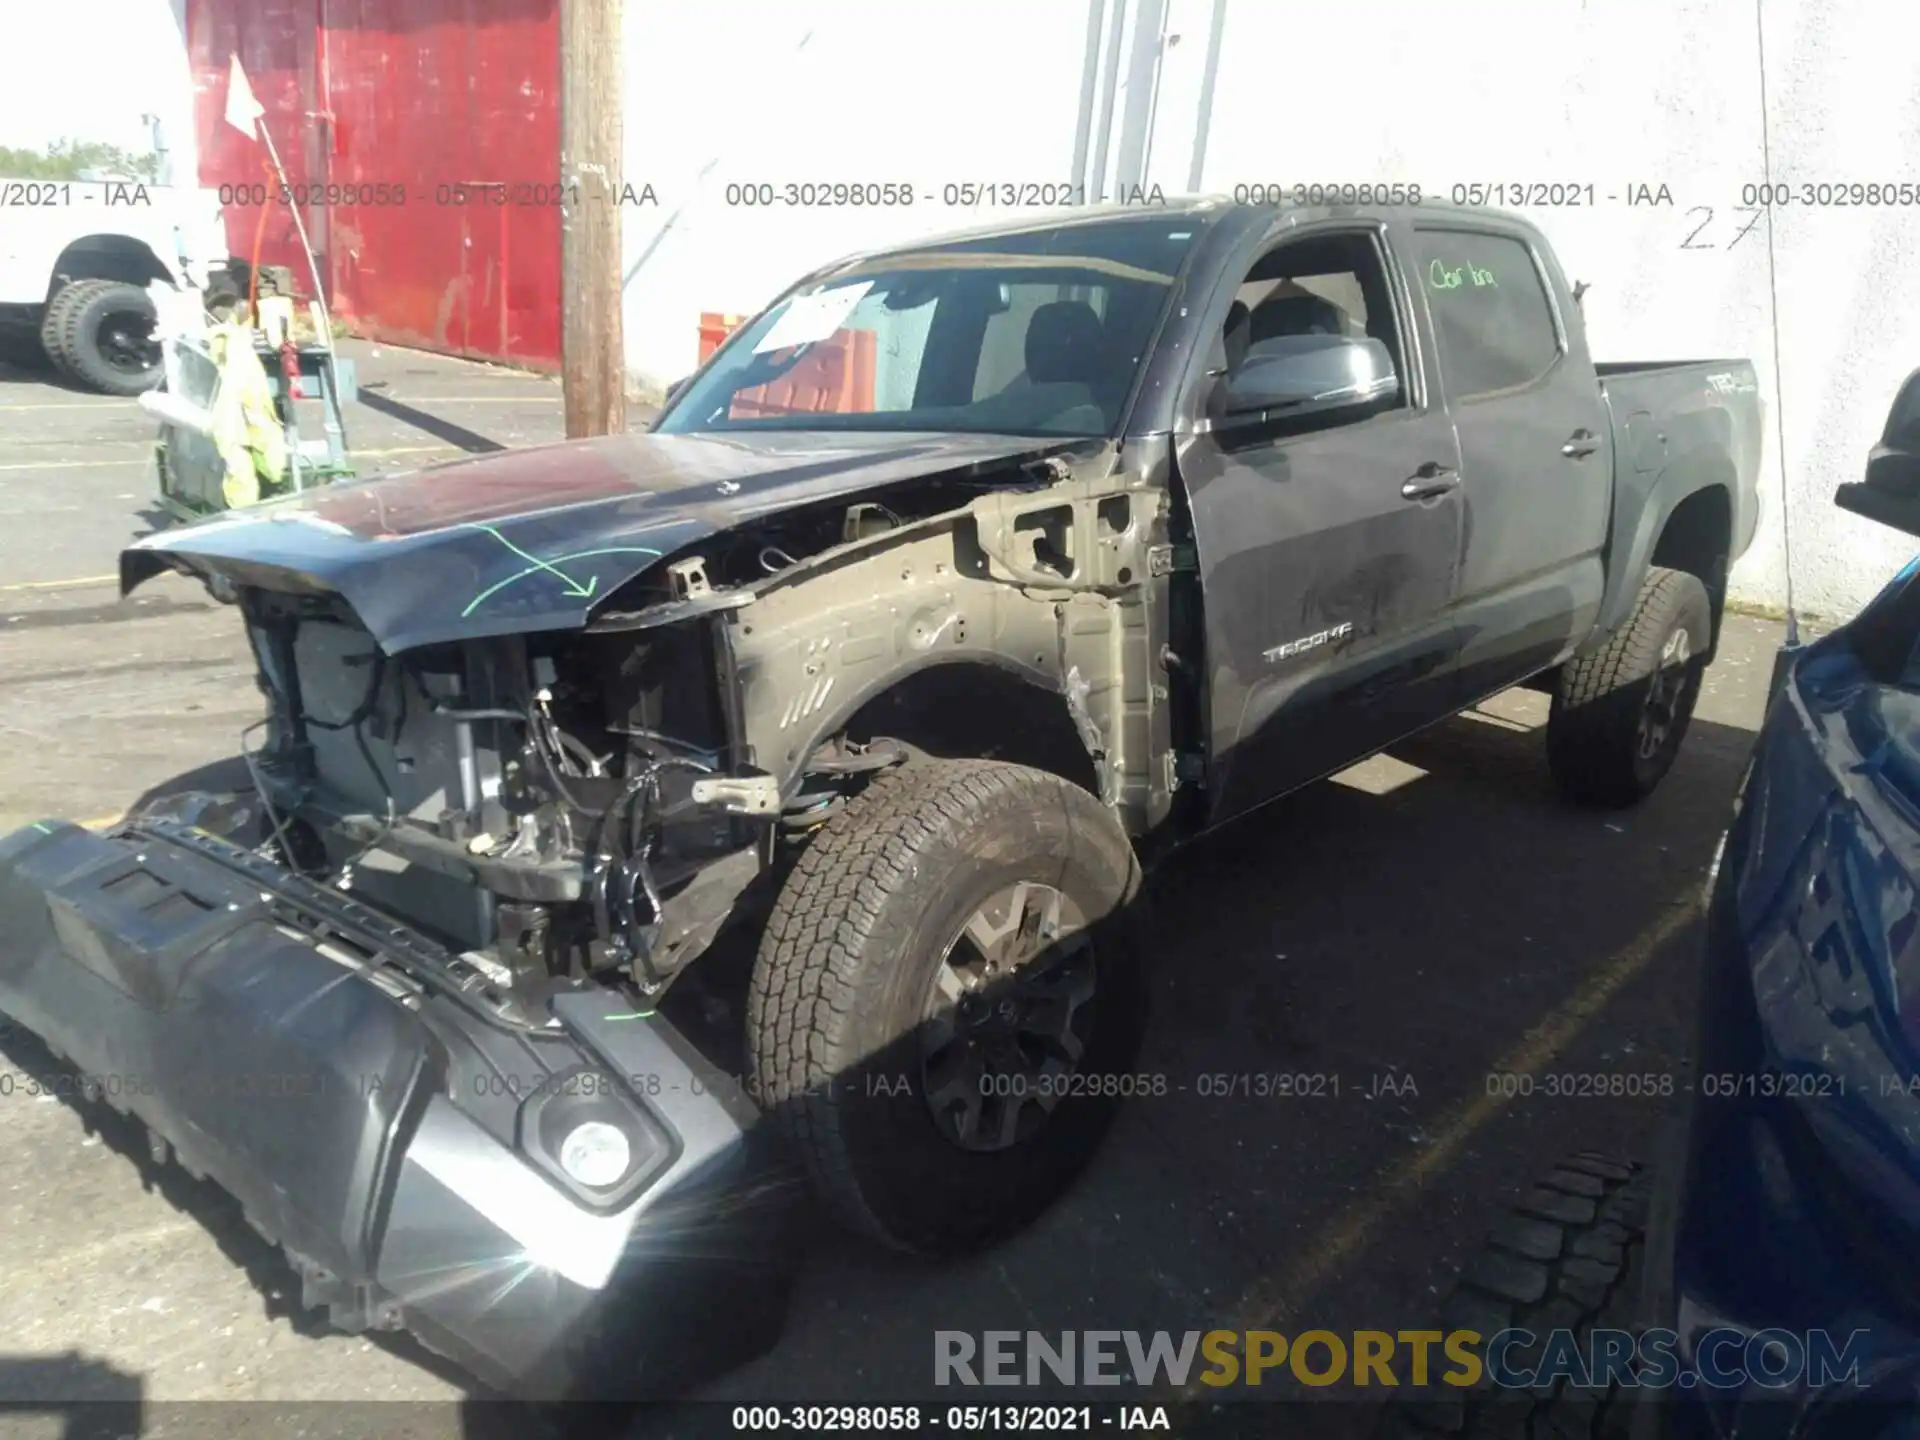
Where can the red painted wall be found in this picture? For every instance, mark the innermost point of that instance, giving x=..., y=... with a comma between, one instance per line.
x=274, y=40
x=427, y=135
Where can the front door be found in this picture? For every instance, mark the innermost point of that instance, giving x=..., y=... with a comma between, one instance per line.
x=1328, y=543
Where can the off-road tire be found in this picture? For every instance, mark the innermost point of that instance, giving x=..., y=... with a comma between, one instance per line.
x=53, y=319
x=71, y=333
x=849, y=954
x=1593, y=729
x=1570, y=1256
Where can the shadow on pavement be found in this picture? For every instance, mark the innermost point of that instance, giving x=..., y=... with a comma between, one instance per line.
x=69, y=1397
x=459, y=436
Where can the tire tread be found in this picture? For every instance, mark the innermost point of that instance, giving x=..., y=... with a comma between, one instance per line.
x=54, y=325
x=1595, y=712
x=820, y=944
x=1590, y=1282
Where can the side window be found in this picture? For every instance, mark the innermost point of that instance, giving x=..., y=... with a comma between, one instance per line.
x=1310, y=315
x=1491, y=312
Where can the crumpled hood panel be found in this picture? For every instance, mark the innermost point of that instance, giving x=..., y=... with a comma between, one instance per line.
x=534, y=539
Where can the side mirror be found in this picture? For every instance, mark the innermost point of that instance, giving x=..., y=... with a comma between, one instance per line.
x=673, y=390
x=1890, y=493
x=1305, y=373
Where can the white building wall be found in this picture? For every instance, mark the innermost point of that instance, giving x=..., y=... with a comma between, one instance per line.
x=1615, y=93
x=745, y=91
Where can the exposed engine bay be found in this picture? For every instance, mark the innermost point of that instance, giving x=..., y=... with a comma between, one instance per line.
x=559, y=805
x=517, y=796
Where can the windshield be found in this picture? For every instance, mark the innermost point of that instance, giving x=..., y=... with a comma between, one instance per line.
x=1039, y=333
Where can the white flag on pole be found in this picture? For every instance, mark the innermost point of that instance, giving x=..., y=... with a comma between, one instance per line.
x=243, y=111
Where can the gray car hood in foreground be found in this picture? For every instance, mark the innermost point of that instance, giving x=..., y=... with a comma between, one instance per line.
x=535, y=539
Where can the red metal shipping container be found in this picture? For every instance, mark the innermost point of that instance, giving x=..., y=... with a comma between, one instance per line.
x=422, y=137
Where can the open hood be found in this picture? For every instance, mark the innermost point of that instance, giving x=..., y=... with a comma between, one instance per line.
x=535, y=539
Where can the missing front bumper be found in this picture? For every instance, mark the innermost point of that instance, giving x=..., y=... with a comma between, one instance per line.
x=320, y=1064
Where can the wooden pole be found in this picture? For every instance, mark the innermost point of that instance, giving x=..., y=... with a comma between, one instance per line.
x=592, y=338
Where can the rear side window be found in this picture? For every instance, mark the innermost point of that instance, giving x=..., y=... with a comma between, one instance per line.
x=1490, y=311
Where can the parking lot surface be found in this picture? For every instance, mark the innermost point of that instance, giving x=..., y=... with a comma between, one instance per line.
x=1412, y=931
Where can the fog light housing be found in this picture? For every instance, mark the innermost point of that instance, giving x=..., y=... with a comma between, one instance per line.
x=593, y=1137
x=596, y=1154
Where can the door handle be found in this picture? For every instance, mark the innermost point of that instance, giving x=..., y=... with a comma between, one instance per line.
x=1580, y=445
x=1429, y=480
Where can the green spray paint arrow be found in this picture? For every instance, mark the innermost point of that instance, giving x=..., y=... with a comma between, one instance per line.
x=573, y=588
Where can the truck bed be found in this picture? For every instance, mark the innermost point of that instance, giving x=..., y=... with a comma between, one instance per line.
x=1679, y=425
x=1674, y=405
x=1607, y=369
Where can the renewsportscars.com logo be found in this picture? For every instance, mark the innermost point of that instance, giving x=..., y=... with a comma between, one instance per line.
x=1723, y=1359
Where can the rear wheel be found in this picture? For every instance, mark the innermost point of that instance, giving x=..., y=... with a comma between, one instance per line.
x=947, y=1000
x=1620, y=713
x=100, y=334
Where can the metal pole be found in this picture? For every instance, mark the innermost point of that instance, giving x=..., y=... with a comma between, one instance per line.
x=300, y=229
x=1207, y=83
x=1103, y=127
x=1089, y=85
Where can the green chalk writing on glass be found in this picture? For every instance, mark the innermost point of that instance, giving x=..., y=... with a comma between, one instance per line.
x=1440, y=277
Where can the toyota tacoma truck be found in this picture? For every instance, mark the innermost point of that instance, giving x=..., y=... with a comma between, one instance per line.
x=950, y=594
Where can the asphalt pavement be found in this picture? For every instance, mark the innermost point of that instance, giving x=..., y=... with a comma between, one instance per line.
x=1406, y=931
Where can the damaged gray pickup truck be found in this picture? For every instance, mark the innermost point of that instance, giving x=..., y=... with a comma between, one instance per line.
x=958, y=586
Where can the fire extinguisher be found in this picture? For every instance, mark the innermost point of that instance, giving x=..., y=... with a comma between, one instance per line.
x=290, y=369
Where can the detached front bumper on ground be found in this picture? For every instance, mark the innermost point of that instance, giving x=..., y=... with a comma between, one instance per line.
x=416, y=1156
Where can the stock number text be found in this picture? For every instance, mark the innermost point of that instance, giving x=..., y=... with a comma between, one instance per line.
x=1832, y=193
x=1363, y=193
x=823, y=194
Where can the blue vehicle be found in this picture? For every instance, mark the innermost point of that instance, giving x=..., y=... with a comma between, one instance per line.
x=1764, y=1266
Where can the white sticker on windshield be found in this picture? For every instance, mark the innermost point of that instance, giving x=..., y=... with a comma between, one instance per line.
x=813, y=317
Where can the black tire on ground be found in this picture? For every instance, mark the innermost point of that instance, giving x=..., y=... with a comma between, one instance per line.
x=1570, y=1256
x=53, y=319
x=78, y=329
x=1620, y=713
x=837, y=1014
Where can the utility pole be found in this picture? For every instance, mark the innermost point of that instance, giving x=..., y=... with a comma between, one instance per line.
x=592, y=338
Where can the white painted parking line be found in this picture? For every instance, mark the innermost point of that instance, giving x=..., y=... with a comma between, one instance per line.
x=83, y=580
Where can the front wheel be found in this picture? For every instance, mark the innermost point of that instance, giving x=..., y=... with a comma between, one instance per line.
x=1620, y=713
x=947, y=1000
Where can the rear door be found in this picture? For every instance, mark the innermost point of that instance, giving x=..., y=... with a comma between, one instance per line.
x=1328, y=544
x=1536, y=453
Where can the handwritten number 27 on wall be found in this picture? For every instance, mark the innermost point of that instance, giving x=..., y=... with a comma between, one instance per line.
x=1702, y=216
